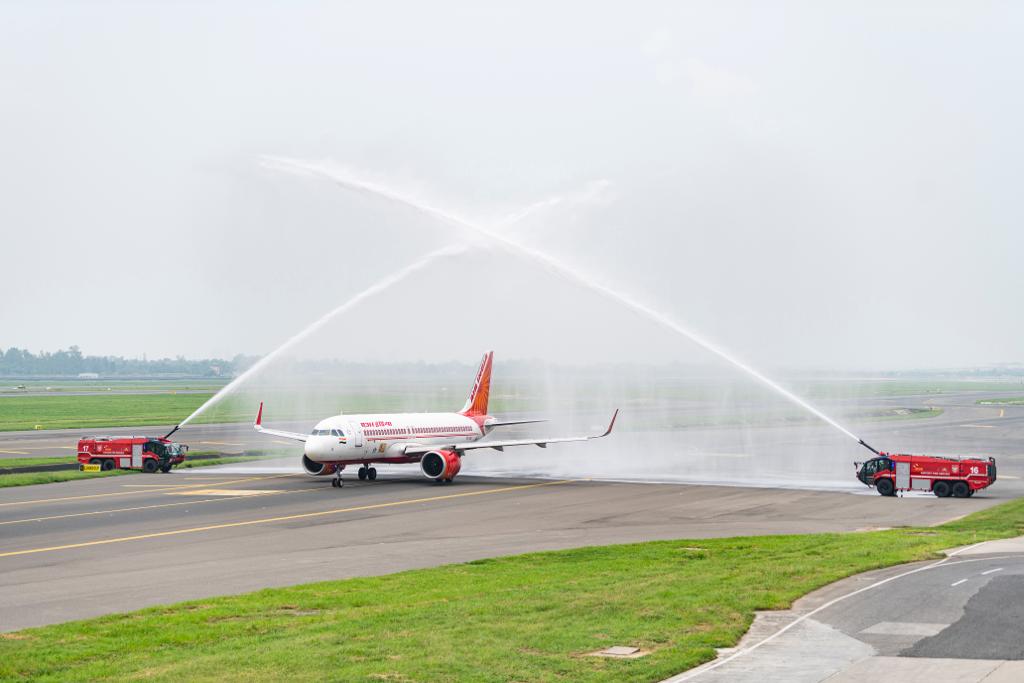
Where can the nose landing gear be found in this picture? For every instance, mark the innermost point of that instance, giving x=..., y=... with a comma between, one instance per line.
x=337, y=482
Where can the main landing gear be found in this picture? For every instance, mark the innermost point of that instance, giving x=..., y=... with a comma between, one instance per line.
x=366, y=472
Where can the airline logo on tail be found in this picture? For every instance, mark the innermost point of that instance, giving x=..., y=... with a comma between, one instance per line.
x=476, y=404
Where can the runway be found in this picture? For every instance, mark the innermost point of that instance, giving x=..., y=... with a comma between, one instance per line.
x=87, y=548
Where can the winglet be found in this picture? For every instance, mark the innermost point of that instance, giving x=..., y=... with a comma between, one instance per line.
x=259, y=416
x=610, y=424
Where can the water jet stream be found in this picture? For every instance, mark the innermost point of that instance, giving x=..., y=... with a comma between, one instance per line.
x=556, y=267
x=370, y=291
x=591, y=192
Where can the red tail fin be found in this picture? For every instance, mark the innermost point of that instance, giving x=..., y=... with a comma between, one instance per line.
x=476, y=404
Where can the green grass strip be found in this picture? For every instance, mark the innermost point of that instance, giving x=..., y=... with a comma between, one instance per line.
x=523, y=618
x=87, y=412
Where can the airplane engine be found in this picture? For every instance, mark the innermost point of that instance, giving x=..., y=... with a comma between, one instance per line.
x=440, y=465
x=318, y=469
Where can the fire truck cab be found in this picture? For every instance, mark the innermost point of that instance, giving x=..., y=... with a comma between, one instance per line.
x=959, y=477
x=146, y=453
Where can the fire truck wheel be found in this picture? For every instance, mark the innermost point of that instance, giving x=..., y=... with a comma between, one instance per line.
x=165, y=469
x=961, y=489
x=107, y=465
x=885, y=487
x=941, y=489
x=149, y=466
x=371, y=473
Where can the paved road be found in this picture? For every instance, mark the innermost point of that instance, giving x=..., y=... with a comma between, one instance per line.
x=91, y=547
x=959, y=620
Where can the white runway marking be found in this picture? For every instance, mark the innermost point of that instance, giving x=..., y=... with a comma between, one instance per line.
x=897, y=628
x=992, y=571
x=220, y=492
x=957, y=583
x=689, y=675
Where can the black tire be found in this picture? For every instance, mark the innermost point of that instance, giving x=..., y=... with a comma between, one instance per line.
x=972, y=492
x=165, y=469
x=961, y=489
x=362, y=474
x=95, y=461
x=371, y=474
x=149, y=466
x=885, y=487
x=107, y=465
x=334, y=483
x=941, y=489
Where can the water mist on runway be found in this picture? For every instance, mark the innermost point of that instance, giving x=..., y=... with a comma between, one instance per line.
x=697, y=420
x=347, y=179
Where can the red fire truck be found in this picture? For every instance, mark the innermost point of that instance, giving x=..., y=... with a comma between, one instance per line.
x=146, y=453
x=959, y=477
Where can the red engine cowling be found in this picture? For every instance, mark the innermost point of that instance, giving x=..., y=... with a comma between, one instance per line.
x=440, y=465
x=319, y=469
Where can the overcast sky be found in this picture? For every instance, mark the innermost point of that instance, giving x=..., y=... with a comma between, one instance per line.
x=808, y=184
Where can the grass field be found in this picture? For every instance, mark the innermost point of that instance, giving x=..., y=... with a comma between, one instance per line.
x=523, y=618
x=65, y=412
x=9, y=386
x=1014, y=401
x=121, y=410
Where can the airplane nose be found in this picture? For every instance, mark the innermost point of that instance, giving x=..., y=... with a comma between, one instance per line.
x=317, y=447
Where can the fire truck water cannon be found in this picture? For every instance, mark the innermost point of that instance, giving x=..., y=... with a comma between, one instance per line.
x=957, y=477
x=146, y=453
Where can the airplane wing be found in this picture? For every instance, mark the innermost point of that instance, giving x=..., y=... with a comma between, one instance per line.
x=500, y=445
x=506, y=423
x=258, y=426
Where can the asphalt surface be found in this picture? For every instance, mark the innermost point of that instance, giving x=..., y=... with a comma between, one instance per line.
x=958, y=620
x=86, y=548
x=92, y=547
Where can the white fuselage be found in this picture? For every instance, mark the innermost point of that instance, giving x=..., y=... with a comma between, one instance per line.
x=383, y=437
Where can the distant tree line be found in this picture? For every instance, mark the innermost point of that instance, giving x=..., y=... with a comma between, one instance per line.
x=71, y=362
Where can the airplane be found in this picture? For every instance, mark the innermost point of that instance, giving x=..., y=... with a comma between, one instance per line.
x=437, y=441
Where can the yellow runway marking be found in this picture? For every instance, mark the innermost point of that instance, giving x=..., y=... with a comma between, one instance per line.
x=1002, y=411
x=218, y=492
x=159, y=486
x=285, y=518
x=14, y=452
x=145, y=507
x=982, y=426
x=128, y=493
